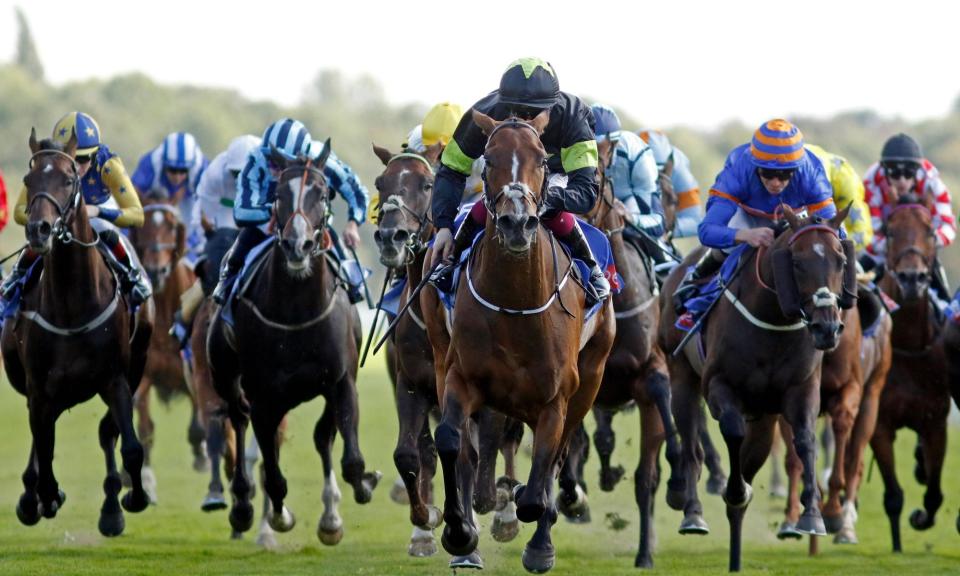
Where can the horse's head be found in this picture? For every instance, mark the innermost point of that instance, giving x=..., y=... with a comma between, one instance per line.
x=911, y=246
x=302, y=205
x=605, y=214
x=160, y=241
x=514, y=176
x=403, y=217
x=53, y=190
x=815, y=274
x=668, y=196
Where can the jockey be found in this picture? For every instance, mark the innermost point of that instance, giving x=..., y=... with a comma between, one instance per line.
x=903, y=170
x=633, y=174
x=256, y=192
x=111, y=202
x=773, y=169
x=847, y=189
x=4, y=215
x=528, y=87
x=171, y=172
x=671, y=159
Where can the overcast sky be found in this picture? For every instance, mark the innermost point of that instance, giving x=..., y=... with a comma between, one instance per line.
x=665, y=63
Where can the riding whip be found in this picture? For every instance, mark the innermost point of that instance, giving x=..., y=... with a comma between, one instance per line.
x=363, y=278
x=435, y=270
x=376, y=315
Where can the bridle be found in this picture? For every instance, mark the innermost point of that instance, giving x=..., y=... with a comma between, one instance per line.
x=61, y=227
x=513, y=187
x=318, y=229
x=165, y=270
x=417, y=241
x=912, y=249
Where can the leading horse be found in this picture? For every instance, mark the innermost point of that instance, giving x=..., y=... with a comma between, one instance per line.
x=73, y=338
x=518, y=341
x=764, y=346
x=295, y=336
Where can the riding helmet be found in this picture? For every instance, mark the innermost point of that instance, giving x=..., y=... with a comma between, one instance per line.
x=607, y=122
x=901, y=148
x=180, y=151
x=86, y=129
x=777, y=145
x=290, y=138
x=440, y=123
x=529, y=82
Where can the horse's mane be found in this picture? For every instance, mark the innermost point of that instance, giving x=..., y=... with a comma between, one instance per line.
x=50, y=144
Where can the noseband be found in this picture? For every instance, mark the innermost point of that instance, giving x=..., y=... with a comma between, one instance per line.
x=61, y=227
x=513, y=187
x=416, y=244
x=318, y=230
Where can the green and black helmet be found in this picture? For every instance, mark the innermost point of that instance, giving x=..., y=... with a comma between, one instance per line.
x=529, y=82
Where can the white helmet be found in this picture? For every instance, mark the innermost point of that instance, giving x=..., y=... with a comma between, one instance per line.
x=238, y=150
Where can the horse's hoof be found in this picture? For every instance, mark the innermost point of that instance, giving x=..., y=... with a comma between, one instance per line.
x=241, y=516
x=282, y=522
x=676, y=495
x=234, y=535
x=833, y=524
x=846, y=536
x=747, y=497
x=716, y=484
x=267, y=540
x=694, y=524
x=50, y=510
x=576, y=512
x=149, y=481
x=778, y=491
x=28, y=510
x=539, y=560
x=471, y=561
x=920, y=520
x=434, y=518
x=398, y=493
x=505, y=525
x=610, y=477
x=201, y=463
x=330, y=530
x=643, y=561
x=111, y=523
x=364, y=493
x=134, y=501
x=214, y=501
x=422, y=543
x=788, y=531
x=459, y=544
x=811, y=523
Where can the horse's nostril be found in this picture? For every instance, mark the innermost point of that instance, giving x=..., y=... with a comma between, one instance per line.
x=308, y=245
x=531, y=224
x=377, y=237
x=45, y=228
x=401, y=236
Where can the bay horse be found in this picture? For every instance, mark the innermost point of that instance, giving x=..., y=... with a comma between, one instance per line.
x=917, y=394
x=770, y=366
x=852, y=380
x=517, y=341
x=636, y=369
x=403, y=229
x=160, y=243
x=73, y=338
x=295, y=337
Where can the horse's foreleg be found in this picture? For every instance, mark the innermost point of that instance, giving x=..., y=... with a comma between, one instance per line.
x=547, y=445
x=842, y=417
x=241, y=514
x=216, y=444
x=43, y=420
x=717, y=480
x=539, y=555
x=460, y=537
x=330, y=527
x=266, y=424
x=657, y=387
x=28, y=507
x=801, y=407
x=882, y=445
x=934, y=449
x=725, y=407
x=196, y=432
x=491, y=426
x=682, y=491
x=348, y=422
x=111, y=521
x=412, y=413
x=572, y=500
x=794, y=469
x=145, y=433
x=645, y=480
x=505, y=525
x=131, y=451
x=604, y=440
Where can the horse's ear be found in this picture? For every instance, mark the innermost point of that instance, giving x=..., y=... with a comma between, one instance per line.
x=432, y=153
x=181, y=238
x=34, y=145
x=324, y=154
x=668, y=166
x=71, y=148
x=791, y=217
x=382, y=153
x=486, y=123
x=840, y=216
x=540, y=122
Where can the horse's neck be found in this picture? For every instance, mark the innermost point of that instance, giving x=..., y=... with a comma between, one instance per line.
x=913, y=328
x=518, y=282
x=75, y=277
x=297, y=294
x=761, y=301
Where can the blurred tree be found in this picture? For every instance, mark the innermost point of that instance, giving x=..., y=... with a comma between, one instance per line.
x=27, y=56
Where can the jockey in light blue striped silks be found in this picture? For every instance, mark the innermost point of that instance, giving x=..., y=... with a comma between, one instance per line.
x=256, y=192
x=171, y=172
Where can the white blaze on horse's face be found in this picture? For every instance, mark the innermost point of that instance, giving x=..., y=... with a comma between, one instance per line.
x=157, y=218
x=516, y=191
x=48, y=168
x=298, y=262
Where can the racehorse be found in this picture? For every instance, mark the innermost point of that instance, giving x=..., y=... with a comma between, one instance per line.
x=160, y=243
x=73, y=338
x=951, y=349
x=403, y=230
x=851, y=383
x=636, y=369
x=517, y=341
x=295, y=336
x=771, y=364
x=917, y=394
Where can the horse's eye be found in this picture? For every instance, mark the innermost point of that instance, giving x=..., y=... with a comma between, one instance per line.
x=427, y=186
x=378, y=183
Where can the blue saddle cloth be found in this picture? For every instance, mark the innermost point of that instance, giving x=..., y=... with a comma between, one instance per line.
x=709, y=291
x=391, y=300
x=599, y=245
x=12, y=306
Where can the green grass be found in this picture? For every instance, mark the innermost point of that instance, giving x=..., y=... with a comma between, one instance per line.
x=175, y=537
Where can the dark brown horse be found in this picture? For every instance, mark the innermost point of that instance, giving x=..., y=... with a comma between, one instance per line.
x=852, y=380
x=762, y=361
x=518, y=341
x=160, y=243
x=295, y=337
x=917, y=394
x=72, y=339
x=951, y=349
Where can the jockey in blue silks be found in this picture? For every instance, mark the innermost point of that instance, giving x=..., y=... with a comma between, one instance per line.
x=773, y=169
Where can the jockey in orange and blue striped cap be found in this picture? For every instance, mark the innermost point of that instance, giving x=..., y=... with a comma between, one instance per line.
x=757, y=179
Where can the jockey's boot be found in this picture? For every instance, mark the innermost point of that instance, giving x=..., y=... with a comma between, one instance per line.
x=599, y=286
x=132, y=280
x=706, y=267
x=24, y=261
x=183, y=318
x=233, y=261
